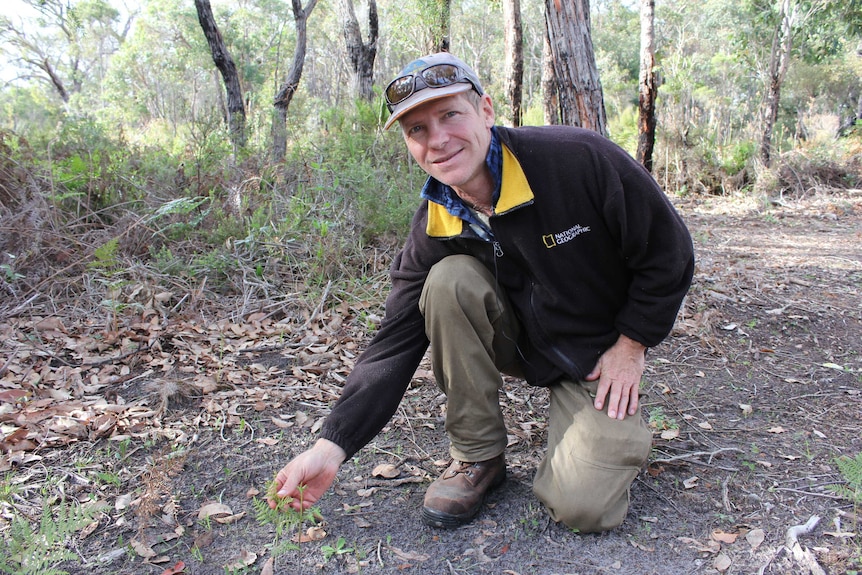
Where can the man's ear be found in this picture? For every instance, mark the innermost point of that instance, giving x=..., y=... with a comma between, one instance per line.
x=487, y=108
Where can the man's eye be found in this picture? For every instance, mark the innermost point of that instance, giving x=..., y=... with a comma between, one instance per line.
x=415, y=130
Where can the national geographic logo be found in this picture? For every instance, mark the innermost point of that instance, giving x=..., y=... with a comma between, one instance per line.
x=553, y=240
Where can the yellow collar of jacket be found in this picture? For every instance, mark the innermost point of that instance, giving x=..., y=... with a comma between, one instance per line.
x=514, y=191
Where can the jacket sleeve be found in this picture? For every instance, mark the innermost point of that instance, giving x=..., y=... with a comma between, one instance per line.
x=656, y=247
x=383, y=371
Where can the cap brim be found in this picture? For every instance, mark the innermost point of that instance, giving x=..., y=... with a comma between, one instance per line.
x=423, y=96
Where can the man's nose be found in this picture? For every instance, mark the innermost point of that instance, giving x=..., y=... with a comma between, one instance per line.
x=437, y=137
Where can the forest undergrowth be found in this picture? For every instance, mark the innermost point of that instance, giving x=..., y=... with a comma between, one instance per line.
x=174, y=330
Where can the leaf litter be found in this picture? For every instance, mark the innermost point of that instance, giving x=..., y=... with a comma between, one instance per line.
x=167, y=415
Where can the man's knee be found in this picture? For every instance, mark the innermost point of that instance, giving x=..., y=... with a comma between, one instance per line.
x=588, y=508
x=448, y=278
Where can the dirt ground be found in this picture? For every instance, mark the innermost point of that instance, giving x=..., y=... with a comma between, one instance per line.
x=751, y=399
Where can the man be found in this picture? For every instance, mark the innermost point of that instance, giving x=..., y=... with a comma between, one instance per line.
x=546, y=253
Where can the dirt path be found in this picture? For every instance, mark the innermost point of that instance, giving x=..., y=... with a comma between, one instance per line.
x=752, y=398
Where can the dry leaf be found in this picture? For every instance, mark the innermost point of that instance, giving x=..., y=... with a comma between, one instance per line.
x=746, y=409
x=213, y=509
x=230, y=518
x=704, y=425
x=409, y=555
x=313, y=533
x=722, y=563
x=776, y=429
x=268, y=567
x=176, y=569
x=670, y=434
x=755, y=537
x=123, y=501
x=691, y=482
x=270, y=441
x=142, y=549
x=386, y=470
x=710, y=547
x=723, y=536
x=245, y=559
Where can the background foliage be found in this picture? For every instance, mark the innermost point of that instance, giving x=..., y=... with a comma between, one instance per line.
x=133, y=151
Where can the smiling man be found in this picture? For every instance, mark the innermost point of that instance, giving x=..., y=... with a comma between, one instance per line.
x=546, y=253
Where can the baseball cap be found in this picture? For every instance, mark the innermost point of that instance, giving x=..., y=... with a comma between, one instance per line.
x=428, y=78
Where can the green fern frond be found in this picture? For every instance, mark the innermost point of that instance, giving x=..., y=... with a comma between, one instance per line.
x=851, y=470
x=25, y=551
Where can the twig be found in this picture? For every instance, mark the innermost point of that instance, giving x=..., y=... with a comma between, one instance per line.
x=319, y=307
x=799, y=491
x=697, y=454
x=5, y=367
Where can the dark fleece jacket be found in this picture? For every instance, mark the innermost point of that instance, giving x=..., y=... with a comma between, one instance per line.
x=586, y=245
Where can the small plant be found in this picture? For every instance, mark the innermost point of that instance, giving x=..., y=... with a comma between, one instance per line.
x=284, y=518
x=25, y=550
x=340, y=548
x=660, y=421
x=851, y=470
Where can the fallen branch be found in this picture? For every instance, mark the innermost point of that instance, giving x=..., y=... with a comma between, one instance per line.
x=803, y=556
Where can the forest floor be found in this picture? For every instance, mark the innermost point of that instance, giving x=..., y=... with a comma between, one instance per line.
x=175, y=425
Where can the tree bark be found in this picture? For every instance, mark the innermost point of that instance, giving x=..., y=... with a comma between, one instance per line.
x=550, y=102
x=513, y=39
x=291, y=83
x=779, y=60
x=575, y=71
x=360, y=54
x=440, y=25
x=224, y=63
x=648, y=88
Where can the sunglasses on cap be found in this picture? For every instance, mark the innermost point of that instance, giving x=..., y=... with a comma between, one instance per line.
x=436, y=76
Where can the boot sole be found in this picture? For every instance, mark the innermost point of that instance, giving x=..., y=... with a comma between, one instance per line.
x=445, y=520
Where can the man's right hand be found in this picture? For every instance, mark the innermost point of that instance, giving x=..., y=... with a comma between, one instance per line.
x=312, y=472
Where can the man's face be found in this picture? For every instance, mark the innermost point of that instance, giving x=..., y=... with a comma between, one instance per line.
x=449, y=138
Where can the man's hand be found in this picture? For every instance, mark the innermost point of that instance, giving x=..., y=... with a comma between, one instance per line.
x=312, y=471
x=619, y=372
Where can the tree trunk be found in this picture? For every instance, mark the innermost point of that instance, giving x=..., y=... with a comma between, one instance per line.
x=56, y=81
x=575, y=71
x=291, y=82
x=513, y=39
x=779, y=60
x=225, y=65
x=440, y=25
x=550, y=102
x=361, y=55
x=648, y=88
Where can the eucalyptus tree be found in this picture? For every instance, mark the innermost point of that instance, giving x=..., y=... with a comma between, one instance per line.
x=513, y=40
x=226, y=66
x=647, y=86
x=576, y=76
x=360, y=54
x=291, y=82
x=67, y=45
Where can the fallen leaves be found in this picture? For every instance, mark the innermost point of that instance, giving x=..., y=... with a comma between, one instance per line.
x=719, y=539
x=86, y=384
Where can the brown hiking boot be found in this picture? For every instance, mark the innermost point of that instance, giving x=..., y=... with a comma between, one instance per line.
x=455, y=497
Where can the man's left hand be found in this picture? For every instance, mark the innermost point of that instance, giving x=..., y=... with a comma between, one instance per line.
x=619, y=372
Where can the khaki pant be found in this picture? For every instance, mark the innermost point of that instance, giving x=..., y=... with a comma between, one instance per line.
x=591, y=460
